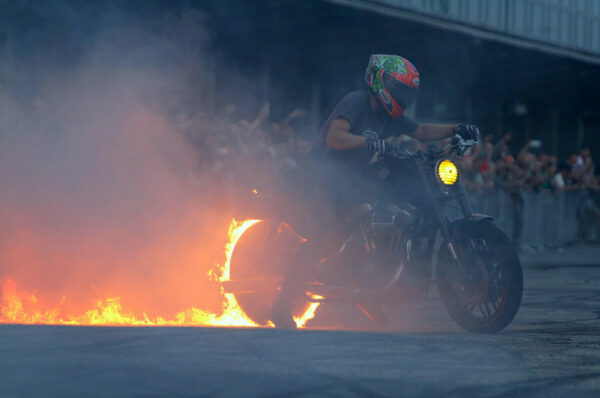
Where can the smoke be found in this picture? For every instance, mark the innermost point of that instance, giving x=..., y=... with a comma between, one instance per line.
x=99, y=194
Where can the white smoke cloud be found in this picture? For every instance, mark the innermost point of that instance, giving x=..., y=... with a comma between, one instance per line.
x=99, y=194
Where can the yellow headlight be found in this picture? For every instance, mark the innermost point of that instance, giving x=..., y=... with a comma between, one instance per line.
x=447, y=172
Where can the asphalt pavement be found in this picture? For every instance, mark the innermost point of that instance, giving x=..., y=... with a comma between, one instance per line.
x=552, y=349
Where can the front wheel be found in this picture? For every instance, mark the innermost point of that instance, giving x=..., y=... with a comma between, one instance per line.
x=486, y=298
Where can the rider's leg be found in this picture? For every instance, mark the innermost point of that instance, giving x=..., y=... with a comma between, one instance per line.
x=324, y=230
x=300, y=271
x=314, y=220
x=315, y=214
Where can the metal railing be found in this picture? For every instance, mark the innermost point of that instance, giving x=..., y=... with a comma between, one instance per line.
x=547, y=218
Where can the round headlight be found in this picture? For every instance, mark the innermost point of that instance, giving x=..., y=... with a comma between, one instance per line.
x=447, y=172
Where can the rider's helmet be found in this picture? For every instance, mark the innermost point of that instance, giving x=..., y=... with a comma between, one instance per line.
x=394, y=81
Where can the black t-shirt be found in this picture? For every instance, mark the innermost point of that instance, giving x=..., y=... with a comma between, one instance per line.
x=343, y=178
x=356, y=109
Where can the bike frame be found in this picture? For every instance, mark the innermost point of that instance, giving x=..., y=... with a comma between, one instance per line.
x=437, y=196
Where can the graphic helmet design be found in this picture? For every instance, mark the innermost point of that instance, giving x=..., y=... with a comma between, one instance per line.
x=394, y=81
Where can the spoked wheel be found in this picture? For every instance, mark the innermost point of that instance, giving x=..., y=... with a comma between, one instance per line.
x=260, y=261
x=486, y=299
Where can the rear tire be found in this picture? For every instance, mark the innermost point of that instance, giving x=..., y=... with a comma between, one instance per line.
x=489, y=298
x=264, y=251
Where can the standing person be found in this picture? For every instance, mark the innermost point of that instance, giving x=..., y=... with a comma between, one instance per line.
x=502, y=147
x=588, y=168
x=365, y=127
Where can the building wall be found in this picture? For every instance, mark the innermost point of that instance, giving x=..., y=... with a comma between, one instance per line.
x=571, y=24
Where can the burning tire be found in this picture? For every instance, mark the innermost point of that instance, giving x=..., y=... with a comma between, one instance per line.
x=258, y=265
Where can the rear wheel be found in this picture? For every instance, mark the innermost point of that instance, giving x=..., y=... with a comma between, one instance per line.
x=487, y=298
x=264, y=252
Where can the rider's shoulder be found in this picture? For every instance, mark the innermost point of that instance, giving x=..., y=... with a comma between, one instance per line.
x=405, y=125
x=357, y=96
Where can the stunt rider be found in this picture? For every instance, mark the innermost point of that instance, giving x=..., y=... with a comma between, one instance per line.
x=374, y=119
x=365, y=127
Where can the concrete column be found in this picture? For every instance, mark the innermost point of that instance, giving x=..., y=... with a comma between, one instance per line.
x=580, y=132
x=469, y=110
x=554, y=132
x=499, y=120
x=528, y=127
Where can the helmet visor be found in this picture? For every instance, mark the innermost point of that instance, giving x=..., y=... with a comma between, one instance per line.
x=404, y=94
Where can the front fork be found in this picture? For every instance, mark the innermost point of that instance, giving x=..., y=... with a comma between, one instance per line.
x=442, y=220
x=467, y=212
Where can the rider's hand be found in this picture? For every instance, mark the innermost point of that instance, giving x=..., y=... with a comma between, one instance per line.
x=376, y=146
x=467, y=133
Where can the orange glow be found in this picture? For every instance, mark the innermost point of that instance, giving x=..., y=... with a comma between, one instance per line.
x=24, y=307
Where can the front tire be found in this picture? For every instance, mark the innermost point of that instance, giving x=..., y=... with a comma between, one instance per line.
x=487, y=299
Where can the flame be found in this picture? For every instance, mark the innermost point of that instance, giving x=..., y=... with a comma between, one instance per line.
x=232, y=310
x=24, y=307
x=309, y=313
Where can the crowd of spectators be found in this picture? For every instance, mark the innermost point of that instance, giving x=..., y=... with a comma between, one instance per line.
x=236, y=150
x=493, y=165
x=492, y=168
x=226, y=141
x=233, y=149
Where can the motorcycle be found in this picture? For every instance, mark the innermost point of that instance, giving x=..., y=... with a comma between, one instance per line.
x=398, y=251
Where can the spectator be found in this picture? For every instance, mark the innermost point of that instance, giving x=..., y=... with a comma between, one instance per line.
x=561, y=178
x=502, y=148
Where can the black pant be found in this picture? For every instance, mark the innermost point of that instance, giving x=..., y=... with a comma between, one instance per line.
x=317, y=208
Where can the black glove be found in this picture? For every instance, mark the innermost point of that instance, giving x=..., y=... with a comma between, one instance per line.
x=376, y=147
x=467, y=133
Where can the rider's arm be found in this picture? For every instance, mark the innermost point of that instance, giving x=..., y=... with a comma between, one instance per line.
x=339, y=136
x=433, y=132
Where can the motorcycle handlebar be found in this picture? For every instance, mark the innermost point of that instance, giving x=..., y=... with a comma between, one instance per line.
x=453, y=146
